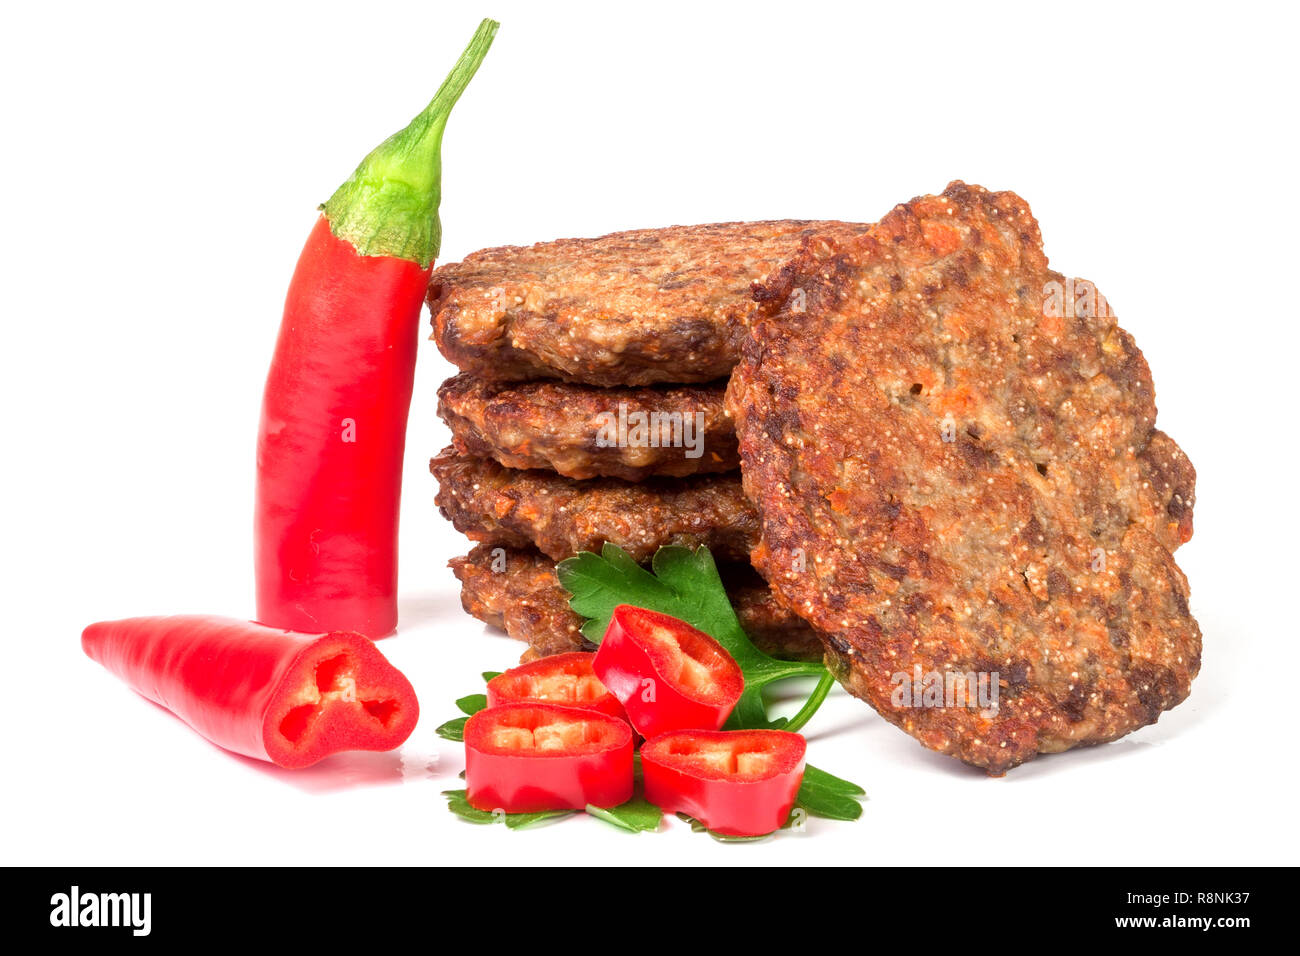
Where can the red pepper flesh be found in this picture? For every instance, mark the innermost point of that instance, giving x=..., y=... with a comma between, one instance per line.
x=332, y=437
x=668, y=675
x=526, y=758
x=564, y=679
x=333, y=425
x=262, y=692
x=735, y=782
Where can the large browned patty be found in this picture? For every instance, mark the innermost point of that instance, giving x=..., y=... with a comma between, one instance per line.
x=516, y=589
x=631, y=308
x=560, y=517
x=1034, y=544
x=583, y=431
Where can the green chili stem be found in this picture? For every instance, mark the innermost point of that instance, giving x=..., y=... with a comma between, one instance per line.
x=389, y=205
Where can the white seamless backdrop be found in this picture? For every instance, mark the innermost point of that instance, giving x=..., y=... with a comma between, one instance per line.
x=162, y=164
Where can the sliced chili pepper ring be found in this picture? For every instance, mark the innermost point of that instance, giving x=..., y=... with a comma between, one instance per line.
x=564, y=679
x=667, y=674
x=735, y=782
x=526, y=758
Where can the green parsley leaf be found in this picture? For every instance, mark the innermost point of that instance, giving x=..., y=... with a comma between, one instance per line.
x=459, y=805
x=469, y=705
x=825, y=795
x=472, y=704
x=698, y=827
x=685, y=584
x=637, y=815
x=453, y=730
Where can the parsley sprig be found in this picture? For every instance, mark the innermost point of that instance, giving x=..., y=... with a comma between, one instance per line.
x=458, y=803
x=685, y=584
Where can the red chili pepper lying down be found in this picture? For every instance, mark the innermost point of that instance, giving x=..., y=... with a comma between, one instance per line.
x=333, y=427
x=276, y=695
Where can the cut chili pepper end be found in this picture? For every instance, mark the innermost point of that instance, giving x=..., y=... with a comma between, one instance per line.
x=568, y=688
x=694, y=662
x=527, y=758
x=543, y=731
x=723, y=757
x=564, y=679
x=335, y=680
x=667, y=674
x=736, y=782
x=689, y=663
x=341, y=694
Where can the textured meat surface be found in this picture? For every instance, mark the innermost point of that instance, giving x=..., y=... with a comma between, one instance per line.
x=516, y=590
x=583, y=431
x=631, y=308
x=560, y=516
x=1034, y=543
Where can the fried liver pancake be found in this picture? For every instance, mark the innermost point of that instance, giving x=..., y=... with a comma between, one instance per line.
x=953, y=479
x=583, y=431
x=516, y=590
x=560, y=516
x=631, y=308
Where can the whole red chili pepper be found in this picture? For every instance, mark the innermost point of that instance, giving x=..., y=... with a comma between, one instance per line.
x=333, y=428
x=525, y=758
x=735, y=782
x=275, y=695
x=564, y=679
x=667, y=674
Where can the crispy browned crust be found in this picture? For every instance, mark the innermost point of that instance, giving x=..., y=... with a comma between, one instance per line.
x=560, y=516
x=631, y=308
x=980, y=553
x=566, y=427
x=516, y=590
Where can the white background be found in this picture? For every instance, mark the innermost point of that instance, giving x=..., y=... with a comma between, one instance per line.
x=161, y=167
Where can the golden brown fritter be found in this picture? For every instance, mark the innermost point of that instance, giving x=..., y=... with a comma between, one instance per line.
x=583, y=431
x=958, y=474
x=631, y=308
x=516, y=590
x=560, y=516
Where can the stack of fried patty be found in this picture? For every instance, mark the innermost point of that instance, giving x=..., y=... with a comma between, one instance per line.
x=589, y=409
x=951, y=466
